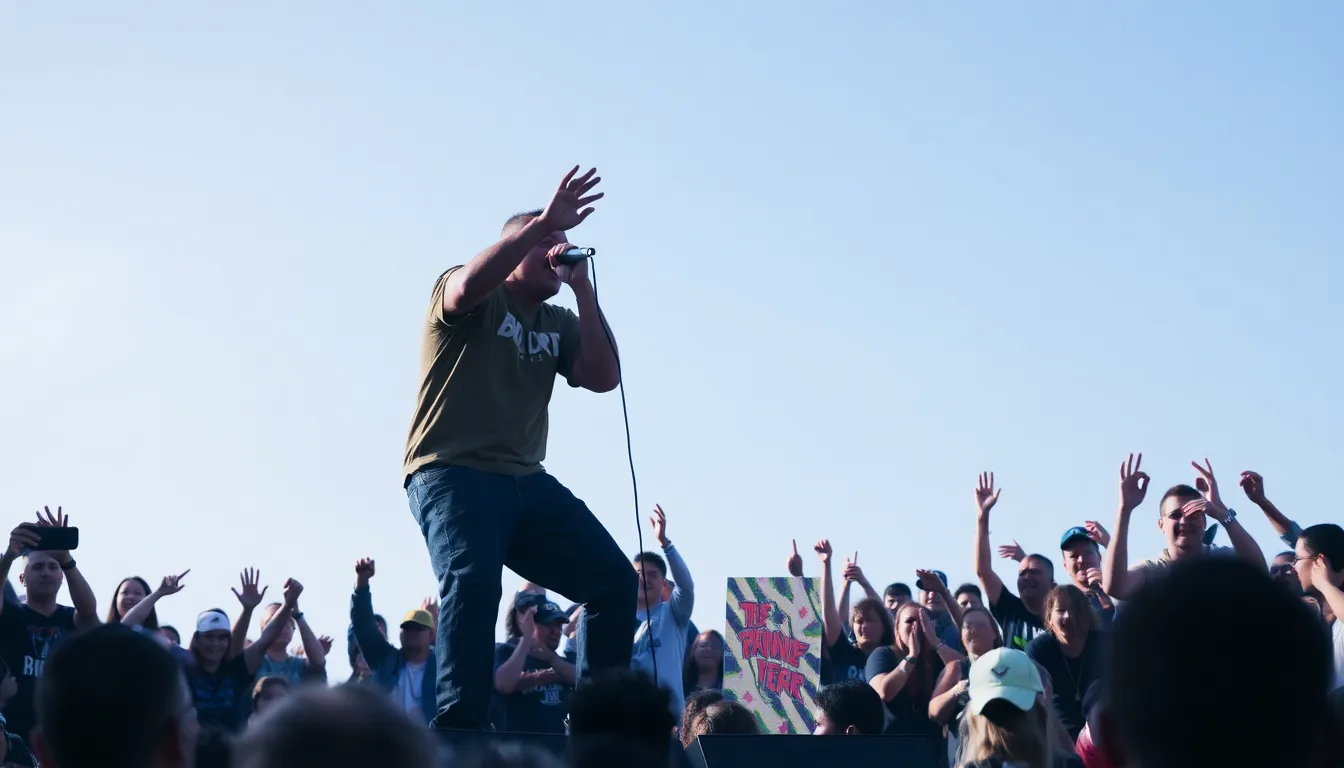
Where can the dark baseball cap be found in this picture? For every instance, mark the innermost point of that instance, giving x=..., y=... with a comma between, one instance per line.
x=549, y=613
x=1073, y=534
x=525, y=600
x=920, y=584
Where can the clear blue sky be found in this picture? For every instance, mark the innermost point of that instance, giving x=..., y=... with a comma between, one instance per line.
x=853, y=255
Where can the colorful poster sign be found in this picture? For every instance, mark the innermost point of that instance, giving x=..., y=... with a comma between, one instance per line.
x=772, y=650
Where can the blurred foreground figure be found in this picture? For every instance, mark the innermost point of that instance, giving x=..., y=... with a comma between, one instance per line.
x=334, y=727
x=113, y=697
x=1186, y=689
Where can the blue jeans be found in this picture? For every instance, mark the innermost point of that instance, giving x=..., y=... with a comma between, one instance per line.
x=475, y=523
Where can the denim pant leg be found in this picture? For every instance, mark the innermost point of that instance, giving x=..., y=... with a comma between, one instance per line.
x=559, y=544
x=467, y=518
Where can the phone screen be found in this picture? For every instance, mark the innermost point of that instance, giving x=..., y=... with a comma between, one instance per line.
x=57, y=539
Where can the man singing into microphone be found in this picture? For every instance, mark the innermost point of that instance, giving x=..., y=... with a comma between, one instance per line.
x=492, y=348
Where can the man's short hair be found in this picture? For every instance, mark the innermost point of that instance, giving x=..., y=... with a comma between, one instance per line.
x=1182, y=491
x=518, y=221
x=624, y=704
x=1046, y=563
x=1325, y=539
x=897, y=590
x=969, y=589
x=654, y=558
x=850, y=702
x=109, y=697
x=348, y=725
x=1162, y=704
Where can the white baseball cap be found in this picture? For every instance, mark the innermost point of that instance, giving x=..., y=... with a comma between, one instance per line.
x=1004, y=673
x=213, y=621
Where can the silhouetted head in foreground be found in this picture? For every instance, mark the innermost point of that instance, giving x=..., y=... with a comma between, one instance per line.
x=350, y=725
x=1216, y=665
x=623, y=705
x=112, y=697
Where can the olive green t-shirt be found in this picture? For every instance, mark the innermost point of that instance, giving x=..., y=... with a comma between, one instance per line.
x=485, y=382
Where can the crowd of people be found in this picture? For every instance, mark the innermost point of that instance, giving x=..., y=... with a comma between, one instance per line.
x=1203, y=655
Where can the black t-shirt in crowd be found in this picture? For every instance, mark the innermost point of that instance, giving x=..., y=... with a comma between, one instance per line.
x=1069, y=678
x=843, y=661
x=27, y=639
x=540, y=710
x=1020, y=626
x=223, y=698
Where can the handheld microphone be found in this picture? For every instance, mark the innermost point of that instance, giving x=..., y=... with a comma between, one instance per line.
x=575, y=255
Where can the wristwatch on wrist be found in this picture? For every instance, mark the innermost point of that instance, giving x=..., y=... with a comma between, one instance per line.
x=666, y=545
x=298, y=615
x=68, y=565
x=1231, y=517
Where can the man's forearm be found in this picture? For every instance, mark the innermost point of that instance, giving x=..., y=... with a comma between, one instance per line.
x=81, y=595
x=1244, y=545
x=596, y=347
x=1115, y=574
x=238, y=636
x=564, y=670
x=508, y=673
x=312, y=647
x=470, y=285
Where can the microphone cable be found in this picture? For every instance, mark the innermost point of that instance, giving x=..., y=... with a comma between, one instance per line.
x=630, y=458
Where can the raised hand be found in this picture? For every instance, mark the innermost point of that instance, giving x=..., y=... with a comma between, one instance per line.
x=430, y=606
x=852, y=570
x=926, y=624
x=1012, y=551
x=250, y=597
x=364, y=569
x=48, y=519
x=1321, y=572
x=1205, y=507
x=913, y=641
x=292, y=591
x=1133, y=483
x=823, y=550
x=1098, y=533
x=1254, y=486
x=659, y=523
x=171, y=585
x=527, y=621
x=795, y=564
x=325, y=641
x=566, y=209
x=22, y=539
x=986, y=496
x=929, y=578
x=1206, y=484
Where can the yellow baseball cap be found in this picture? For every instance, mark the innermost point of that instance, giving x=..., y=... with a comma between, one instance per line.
x=418, y=617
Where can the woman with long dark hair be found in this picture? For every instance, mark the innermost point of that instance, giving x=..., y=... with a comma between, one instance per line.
x=130, y=592
x=703, y=668
x=905, y=673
